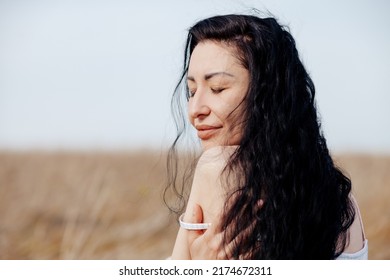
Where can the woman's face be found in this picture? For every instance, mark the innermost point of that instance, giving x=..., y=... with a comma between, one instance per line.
x=217, y=83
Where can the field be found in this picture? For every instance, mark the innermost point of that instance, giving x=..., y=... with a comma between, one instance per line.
x=75, y=205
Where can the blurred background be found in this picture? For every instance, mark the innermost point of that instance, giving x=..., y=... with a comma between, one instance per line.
x=85, y=120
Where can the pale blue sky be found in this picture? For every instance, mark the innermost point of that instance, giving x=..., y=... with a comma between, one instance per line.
x=99, y=74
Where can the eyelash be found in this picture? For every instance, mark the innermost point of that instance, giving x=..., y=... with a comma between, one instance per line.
x=217, y=90
x=214, y=91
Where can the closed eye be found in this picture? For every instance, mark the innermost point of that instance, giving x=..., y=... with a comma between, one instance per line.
x=192, y=93
x=217, y=90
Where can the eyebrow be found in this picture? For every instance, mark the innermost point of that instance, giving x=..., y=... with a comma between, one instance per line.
x=209, y=76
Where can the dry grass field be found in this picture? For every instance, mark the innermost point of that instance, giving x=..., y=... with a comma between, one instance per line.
x=109, y=205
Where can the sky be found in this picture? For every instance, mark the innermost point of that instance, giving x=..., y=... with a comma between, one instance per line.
x=100, y=74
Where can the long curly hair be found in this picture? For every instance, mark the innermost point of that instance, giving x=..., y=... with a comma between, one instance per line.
x=283, y=158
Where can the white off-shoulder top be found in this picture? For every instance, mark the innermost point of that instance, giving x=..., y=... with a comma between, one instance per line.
x=362, y=254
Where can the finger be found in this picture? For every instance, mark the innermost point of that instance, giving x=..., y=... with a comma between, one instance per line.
x=212, y=240
x=229, y=251
x=214, y=237
x=195, y=217
x=196, y=242
x=207, y=246
x=204, y=244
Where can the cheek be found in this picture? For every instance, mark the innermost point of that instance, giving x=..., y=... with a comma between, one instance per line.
x=229, y=110
x=191, y=119
x=237, y=105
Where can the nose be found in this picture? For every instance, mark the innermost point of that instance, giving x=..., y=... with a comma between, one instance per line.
x=198, y=106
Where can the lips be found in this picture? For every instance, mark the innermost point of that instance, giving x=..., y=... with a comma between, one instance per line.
x=205, y=132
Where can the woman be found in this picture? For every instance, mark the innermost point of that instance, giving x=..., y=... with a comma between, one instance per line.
x=265, y=182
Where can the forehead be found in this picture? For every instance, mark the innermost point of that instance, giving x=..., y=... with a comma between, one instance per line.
x=210, y=56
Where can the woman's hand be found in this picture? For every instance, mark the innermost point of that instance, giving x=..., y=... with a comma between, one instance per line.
x=208, y=244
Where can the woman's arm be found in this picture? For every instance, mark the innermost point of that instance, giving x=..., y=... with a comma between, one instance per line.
x=208, y=191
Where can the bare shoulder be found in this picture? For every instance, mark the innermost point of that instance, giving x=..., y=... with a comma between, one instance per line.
x=356, y=231
x=210, y=168
x=209, y=189
x=216, y=157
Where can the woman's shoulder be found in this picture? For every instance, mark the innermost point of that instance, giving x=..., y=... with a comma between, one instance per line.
x=216, y=157
x=211, y=166
x=210, y=186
